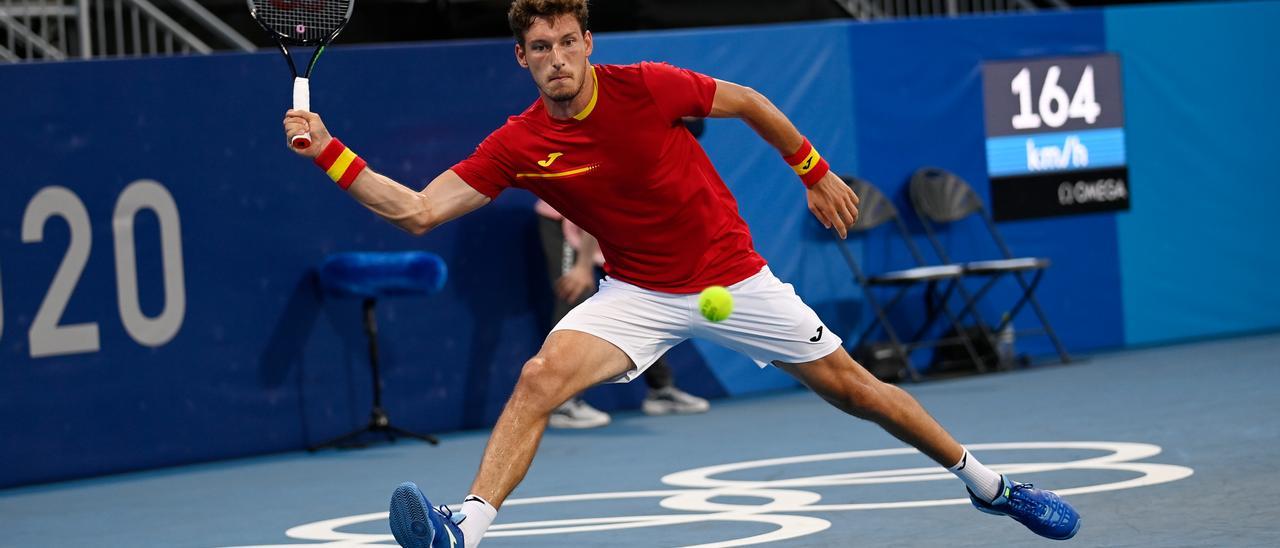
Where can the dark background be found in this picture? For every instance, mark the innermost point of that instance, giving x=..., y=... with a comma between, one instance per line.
x=414, y=20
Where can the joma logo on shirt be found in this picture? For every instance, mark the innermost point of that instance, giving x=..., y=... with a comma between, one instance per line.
x=551, y=159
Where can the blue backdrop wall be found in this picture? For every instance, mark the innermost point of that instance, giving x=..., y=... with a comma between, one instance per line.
x=1194, y=256
x=157, y=301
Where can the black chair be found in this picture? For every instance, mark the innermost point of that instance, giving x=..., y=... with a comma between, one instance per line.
x=370, y=276
x=875, y=210
x=940, y=198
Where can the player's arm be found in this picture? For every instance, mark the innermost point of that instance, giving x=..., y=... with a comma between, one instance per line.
x=830, y=199
x=444, y=199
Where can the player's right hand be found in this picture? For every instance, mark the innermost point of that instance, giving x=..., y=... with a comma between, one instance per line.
x=301, y=121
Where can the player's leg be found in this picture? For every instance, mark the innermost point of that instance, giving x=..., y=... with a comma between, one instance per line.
x=613, y=336
x=569, y=362
x=849, y=387
x=772, y=325
x=843, y=383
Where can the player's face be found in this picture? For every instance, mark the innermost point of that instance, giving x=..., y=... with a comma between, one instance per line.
x=555, y=51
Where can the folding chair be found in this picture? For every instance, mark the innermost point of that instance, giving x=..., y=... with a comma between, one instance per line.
x=941, y=197
x=876, y=210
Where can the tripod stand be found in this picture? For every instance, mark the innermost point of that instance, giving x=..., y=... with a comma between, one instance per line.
x=379, y=422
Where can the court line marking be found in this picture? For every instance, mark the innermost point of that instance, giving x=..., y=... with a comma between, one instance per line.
x=785, y=496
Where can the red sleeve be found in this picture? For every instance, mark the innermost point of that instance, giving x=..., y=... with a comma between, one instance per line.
x=679, y=92
x=485, y=170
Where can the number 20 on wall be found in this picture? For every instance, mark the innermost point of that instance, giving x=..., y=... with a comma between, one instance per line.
x=48, y=336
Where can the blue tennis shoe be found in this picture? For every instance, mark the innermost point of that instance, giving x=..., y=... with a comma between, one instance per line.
x=416, y=524
x=1043, y=512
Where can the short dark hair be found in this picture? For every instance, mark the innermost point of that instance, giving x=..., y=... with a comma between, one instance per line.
x=524, y=12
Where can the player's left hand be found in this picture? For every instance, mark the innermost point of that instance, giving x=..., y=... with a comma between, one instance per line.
x=834, y=203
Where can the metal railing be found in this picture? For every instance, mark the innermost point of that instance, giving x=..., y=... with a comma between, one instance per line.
x=866, y=10
x=54, y=30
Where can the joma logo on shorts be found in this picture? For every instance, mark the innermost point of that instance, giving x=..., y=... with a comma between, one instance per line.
x=818, y=337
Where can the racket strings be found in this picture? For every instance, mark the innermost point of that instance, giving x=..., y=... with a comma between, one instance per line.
x=303, y=20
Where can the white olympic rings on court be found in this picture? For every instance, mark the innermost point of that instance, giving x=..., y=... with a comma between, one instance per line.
x=785, y=497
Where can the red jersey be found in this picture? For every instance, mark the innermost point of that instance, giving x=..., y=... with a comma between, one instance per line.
x=627, y=171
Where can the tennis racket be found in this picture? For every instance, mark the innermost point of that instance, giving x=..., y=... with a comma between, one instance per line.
x=302, y=23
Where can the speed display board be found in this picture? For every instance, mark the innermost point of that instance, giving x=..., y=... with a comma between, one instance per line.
x=1055, y=136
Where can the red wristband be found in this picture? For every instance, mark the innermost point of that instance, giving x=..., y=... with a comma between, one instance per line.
x=808, y=164
x=340, y=163
x=330, y=153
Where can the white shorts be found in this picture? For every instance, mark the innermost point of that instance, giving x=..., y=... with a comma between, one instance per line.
x=769, y=322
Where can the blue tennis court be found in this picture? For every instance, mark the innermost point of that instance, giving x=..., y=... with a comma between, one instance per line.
x=1170, y=446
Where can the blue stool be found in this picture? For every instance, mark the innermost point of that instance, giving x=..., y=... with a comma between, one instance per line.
x=370, y=276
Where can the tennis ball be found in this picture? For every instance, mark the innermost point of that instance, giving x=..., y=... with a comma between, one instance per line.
x=715, y=303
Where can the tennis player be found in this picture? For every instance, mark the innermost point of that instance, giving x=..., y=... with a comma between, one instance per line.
x=605, y=146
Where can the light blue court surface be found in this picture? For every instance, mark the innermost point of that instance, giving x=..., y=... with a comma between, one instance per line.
x=1173, y=446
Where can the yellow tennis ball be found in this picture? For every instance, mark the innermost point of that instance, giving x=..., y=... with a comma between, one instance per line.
x=715, y=303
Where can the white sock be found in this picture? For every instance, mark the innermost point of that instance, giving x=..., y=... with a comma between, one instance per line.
x=983, y=481
x=480, y=515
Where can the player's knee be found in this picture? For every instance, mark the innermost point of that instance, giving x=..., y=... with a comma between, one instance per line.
x=539, y=384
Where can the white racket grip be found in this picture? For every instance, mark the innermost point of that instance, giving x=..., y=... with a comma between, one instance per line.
x=301, y=101
x=301, y=94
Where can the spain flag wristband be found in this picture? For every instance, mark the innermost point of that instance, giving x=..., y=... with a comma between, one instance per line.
x=808, y=164
x=340, y=163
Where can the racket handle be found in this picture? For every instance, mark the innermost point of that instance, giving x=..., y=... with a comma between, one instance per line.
x=301, y=101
